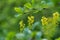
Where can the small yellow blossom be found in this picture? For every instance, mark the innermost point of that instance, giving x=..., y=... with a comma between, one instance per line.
x=21, y=25
x=55, y=15
x=44, y=20
x=30, y=20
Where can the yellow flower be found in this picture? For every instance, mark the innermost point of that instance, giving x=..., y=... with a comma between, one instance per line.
x=44, y=20
x=29, y=18
x=30, y=21
x=55, y=15
x=21, y=25
x=32, y=17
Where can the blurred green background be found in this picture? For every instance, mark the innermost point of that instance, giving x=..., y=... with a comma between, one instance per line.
x=9, y=18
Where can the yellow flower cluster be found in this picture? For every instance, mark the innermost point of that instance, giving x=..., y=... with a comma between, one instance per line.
x=44, y=21
x=49, y=25
x=21, y=25
x=55, y=15
x=30, y=20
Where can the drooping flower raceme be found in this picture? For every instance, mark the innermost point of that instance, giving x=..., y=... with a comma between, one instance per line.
x=55, y=15
x=44, y=21
x=22, y=25
x=49, y=25
x=30, y=20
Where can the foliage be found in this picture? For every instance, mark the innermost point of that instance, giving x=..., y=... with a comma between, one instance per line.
x=29, y=20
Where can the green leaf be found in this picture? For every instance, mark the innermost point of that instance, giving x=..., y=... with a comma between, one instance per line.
x=18, y=9
x=33, y=2
x=10, y=36
x=28, y=5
